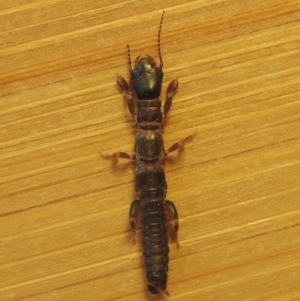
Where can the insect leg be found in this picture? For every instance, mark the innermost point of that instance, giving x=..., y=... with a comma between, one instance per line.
x=134, y=216
x=170, y=93
x=172, y=216
x=119, y=155
x=124, y=87
x=179, y=144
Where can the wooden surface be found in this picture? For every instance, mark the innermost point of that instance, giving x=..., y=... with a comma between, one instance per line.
x=64, y=232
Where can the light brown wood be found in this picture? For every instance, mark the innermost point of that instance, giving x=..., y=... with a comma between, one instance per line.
x=64, y=227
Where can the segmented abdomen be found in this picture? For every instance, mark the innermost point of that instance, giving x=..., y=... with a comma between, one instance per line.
x=155, y=245
x=151, y=188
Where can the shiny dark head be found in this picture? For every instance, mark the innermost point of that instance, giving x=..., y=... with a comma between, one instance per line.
x=146, y=78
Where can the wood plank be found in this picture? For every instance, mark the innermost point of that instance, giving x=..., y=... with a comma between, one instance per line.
x=64, y=224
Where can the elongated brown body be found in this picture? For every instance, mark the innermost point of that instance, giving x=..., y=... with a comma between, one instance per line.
x=151, y=186
x=151, y=205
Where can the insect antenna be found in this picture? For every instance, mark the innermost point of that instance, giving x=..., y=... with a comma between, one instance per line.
x=129, y=58
x=158, y=40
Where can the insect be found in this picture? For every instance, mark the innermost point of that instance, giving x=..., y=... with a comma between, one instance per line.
x=158, y=217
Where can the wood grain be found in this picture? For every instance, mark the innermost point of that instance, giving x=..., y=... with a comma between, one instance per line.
x=64, y=228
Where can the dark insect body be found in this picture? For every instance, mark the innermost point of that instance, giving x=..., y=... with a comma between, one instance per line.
x=157, y=215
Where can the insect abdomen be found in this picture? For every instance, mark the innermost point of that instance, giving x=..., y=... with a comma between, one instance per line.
x=155, y=245
x=151, y=188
